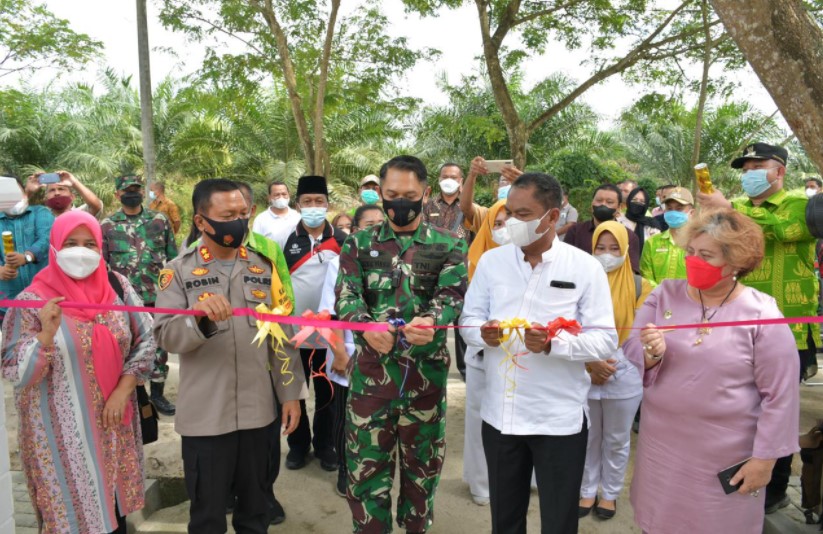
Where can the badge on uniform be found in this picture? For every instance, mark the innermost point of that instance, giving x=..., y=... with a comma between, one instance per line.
x=256, y=270
x=200, y=271
x=374, y=253
x=259, y=294
x=204, y=296
x=205, y=253
x=164, y=278
x=244, y=254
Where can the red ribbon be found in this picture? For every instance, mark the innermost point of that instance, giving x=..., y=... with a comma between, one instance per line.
x=312, y=325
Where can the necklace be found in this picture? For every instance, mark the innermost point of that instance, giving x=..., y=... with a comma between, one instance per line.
x=705, y=330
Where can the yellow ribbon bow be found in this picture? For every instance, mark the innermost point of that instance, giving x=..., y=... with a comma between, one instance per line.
x=511, y=331
x=278, y=338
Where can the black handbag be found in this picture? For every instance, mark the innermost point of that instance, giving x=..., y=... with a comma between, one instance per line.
x=147, y=411
x=148, y=416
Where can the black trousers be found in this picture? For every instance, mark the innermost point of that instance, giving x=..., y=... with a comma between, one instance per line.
x=341, y=396
x=782, y=470
x=459, y=352
x=558, y=463
x=213, y=465
x=320, y=435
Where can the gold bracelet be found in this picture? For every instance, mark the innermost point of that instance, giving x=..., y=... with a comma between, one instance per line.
x=652, y=357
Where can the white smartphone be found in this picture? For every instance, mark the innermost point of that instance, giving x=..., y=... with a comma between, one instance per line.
x=496, y=165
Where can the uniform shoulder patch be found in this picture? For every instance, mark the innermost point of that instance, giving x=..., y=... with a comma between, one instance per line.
x=205, y=253
x=164, y=278
x=244, y=254
x=200, y=271
x=256, y=270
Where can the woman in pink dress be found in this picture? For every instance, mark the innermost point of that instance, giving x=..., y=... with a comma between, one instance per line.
x=74, y=372
x=713, y=397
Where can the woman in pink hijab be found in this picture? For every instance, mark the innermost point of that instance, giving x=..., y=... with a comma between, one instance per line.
x=74, y=370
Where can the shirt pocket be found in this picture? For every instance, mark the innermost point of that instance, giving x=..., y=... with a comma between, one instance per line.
x=562, y=302
x=254, y=297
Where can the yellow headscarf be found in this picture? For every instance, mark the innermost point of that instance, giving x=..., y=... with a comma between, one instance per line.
x=621, y=280
x=483, y=240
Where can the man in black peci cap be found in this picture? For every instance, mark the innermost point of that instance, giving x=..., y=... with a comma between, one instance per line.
x=308, y=251
x=787, y=270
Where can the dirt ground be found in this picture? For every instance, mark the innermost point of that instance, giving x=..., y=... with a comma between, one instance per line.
x=312, y=506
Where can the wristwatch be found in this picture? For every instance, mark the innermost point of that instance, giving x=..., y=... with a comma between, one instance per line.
x=29, y=257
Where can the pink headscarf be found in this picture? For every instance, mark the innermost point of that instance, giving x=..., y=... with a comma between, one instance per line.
x=52, y=282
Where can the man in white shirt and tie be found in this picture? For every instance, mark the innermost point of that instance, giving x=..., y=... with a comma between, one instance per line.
x=535, y=412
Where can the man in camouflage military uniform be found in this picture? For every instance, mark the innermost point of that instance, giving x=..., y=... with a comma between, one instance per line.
x=137, y=243
x=403, y=269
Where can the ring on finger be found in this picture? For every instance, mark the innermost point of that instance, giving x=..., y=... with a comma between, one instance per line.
x=754, y=493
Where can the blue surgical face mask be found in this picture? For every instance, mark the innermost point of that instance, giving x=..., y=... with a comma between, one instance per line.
x=675, y=219
x=657, y=201
x=503, y=192
x=755, y=182
x=313, y=217
x=369, y=196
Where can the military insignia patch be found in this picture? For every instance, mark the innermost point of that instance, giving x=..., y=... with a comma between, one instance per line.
x=256, y=270
x=244, y=254
x=259, y=294
x=164, y=278
x=200, y=271
x=205, y=253
x=204, y=296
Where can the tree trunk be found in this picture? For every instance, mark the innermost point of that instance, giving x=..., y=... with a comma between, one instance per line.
x=784, y=46
x=320, y=166
x=704, y=89
x=515, y=127
x=291, y=85
x=146, y=112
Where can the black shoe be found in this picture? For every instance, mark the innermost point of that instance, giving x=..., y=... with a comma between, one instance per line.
x=295, y=460
x=328, y=459
x=773, y=505
x=604, y=513
x=583, y=511
x=160, y=402
x=340, y=487
x=276, y=514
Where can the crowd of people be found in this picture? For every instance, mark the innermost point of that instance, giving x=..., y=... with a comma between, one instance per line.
x=551, y=408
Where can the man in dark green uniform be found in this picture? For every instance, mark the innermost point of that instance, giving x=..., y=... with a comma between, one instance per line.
x=407, y=275
x=137, y=243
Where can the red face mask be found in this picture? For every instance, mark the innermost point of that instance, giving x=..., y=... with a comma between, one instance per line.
x=58, y=203
x=701, y=274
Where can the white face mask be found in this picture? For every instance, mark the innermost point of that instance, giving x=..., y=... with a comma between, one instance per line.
x=18, y=208
x=501, y=236
x=280, y=203
x=610, y=262
x=524, y=233
x=449, y=186
x=78, y=262
x=811, y=192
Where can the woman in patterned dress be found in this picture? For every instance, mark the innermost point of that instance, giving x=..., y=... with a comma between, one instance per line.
x=74, y=372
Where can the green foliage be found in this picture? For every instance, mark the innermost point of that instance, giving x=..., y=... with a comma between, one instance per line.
x=32, y=38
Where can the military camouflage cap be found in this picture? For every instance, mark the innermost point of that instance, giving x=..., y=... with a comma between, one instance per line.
x=122, y=182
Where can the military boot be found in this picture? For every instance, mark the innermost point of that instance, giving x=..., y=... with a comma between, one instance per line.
x=160, y=402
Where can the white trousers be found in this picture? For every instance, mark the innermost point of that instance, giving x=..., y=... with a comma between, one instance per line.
x=607, y=453
x=475, y=471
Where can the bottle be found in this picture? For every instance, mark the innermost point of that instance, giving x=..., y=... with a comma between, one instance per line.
x=8, y=243
x=704, y=180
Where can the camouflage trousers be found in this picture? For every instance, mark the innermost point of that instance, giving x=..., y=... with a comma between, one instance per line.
x=377, y=431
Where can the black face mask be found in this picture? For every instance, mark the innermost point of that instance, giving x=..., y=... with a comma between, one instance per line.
x=227, y=234
x=635, y=212
x=603, y=213
x=131, y=199
x=405, y=210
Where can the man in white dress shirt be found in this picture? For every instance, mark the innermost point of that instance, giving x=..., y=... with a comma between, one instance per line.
x=279, y=221
x=535, y=413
